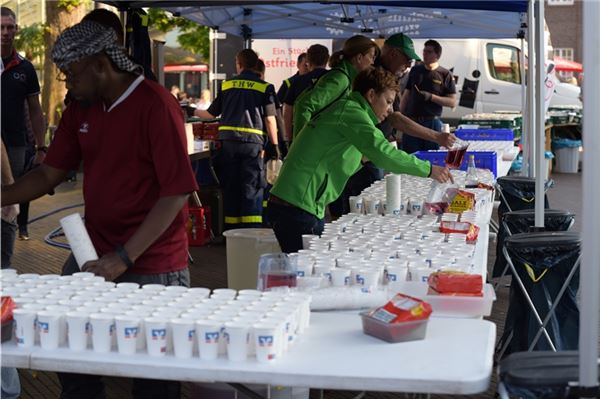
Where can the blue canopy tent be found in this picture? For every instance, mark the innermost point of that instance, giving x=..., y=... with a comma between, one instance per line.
x=451, y=19
x=313, y=20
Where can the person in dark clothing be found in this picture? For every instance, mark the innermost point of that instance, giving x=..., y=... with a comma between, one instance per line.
x=19, y=86
x=429, y=88
x=317, y=56
x=246, y=104
x=302, y=66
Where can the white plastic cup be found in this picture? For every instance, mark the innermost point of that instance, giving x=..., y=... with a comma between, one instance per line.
x=340, y=277
x=128, y=332
x=48, y=323
x=156, y=336
x=304, y=269
x=368, y=278
x=25, y=328
x=396, y=274
x=356, y=204
x=128, y=286
x=103, y=329
x=198, y=292
x=224, y=293
x=266, y=337
x=153, y=287
x=62, y=332
x=78, y=330
x=306, y=238
x=184, y=334
x=237, y=335
x=208, y=333
x=82, y=275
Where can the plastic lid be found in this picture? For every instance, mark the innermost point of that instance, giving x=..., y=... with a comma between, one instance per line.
x=529, y=213
x=544, y=239
x=251, y=233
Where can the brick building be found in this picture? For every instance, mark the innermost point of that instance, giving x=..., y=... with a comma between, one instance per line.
x=565, y=21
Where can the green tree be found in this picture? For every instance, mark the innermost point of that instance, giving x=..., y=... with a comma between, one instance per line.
x=30, y=40
x=59, y=16
x=192, y=37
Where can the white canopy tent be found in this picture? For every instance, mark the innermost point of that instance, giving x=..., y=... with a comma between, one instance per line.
x=451, y=19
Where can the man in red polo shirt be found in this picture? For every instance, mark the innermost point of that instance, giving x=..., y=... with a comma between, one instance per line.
x=129, y=133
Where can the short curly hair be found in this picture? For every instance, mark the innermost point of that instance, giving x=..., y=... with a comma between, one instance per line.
x=375, y=78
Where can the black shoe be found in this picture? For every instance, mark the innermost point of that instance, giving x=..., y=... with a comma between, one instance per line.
x=24, y=236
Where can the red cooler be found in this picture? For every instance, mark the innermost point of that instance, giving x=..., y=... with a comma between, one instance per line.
x=198, y=226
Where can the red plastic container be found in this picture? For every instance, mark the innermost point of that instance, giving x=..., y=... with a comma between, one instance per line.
x=198, y=226
x=394, y=332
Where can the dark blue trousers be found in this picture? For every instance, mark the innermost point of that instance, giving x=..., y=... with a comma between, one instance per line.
x=412, y=144
x=289, y=223
x=240, y=169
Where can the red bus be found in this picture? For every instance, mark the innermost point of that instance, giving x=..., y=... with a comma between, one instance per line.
x=191, y=79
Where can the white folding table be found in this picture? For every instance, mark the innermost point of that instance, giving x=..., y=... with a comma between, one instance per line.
x=454, y=358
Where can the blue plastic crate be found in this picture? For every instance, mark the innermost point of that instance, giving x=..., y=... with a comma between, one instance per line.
x=485, y=134
x=483, y=159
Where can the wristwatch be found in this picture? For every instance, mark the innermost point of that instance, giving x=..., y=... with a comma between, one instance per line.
x=42, y=148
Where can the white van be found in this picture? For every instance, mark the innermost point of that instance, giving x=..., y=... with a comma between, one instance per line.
x=487, y=75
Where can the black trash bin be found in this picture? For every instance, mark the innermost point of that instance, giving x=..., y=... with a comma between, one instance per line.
x=516, y=193
x=545, y=285
x=523, y=221
x=541, y=375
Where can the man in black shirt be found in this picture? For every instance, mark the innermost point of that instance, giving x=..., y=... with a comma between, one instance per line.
x=429, y=88
x=317, y=56
x=19, y=85
x=302, y=66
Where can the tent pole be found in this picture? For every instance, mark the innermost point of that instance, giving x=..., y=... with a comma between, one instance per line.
x=529, y=126
x=524, y=139
x=540, y=109
x=590, y=269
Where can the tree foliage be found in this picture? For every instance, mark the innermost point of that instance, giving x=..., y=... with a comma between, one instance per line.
x=30, y=40
x=192, y=37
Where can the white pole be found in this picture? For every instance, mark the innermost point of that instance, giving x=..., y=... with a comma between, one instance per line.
x=524, y=139
x=529, y=123
x=590, y=268
x=540, y=57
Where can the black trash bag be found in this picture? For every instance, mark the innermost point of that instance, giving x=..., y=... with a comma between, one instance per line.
x=518, y=193
x=523, y=221
x=540, y=375
x=543, y=261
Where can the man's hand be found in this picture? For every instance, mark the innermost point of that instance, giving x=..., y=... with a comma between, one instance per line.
x=446, y=139
x=39, y=157
x=277, y=151
x=110, y=266
x=425, y=95
x=10, y=212
x=440, y=174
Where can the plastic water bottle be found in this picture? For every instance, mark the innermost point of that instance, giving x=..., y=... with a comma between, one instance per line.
x=471, y=180
x=273, y=168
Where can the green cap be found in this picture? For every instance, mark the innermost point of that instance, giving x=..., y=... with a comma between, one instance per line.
x=404, y=43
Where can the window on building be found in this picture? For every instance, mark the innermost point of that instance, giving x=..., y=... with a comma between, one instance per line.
x=503, y=62
x=561, y=2
x=564, y=53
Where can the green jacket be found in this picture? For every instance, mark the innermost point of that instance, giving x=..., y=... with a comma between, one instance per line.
x=329, y=150
x=330, y=87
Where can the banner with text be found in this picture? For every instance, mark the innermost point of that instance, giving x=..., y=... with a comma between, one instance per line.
x=280, y=56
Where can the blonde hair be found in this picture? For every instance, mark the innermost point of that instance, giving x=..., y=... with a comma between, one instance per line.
x=354, y=46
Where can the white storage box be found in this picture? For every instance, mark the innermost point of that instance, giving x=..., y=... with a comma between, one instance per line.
x=447, y=305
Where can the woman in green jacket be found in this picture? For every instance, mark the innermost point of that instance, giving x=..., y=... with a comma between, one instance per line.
x=329, y=150
x=359, y=53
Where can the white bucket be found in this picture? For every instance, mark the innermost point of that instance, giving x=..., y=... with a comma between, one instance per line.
x=567, y=160
x=244, y=248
